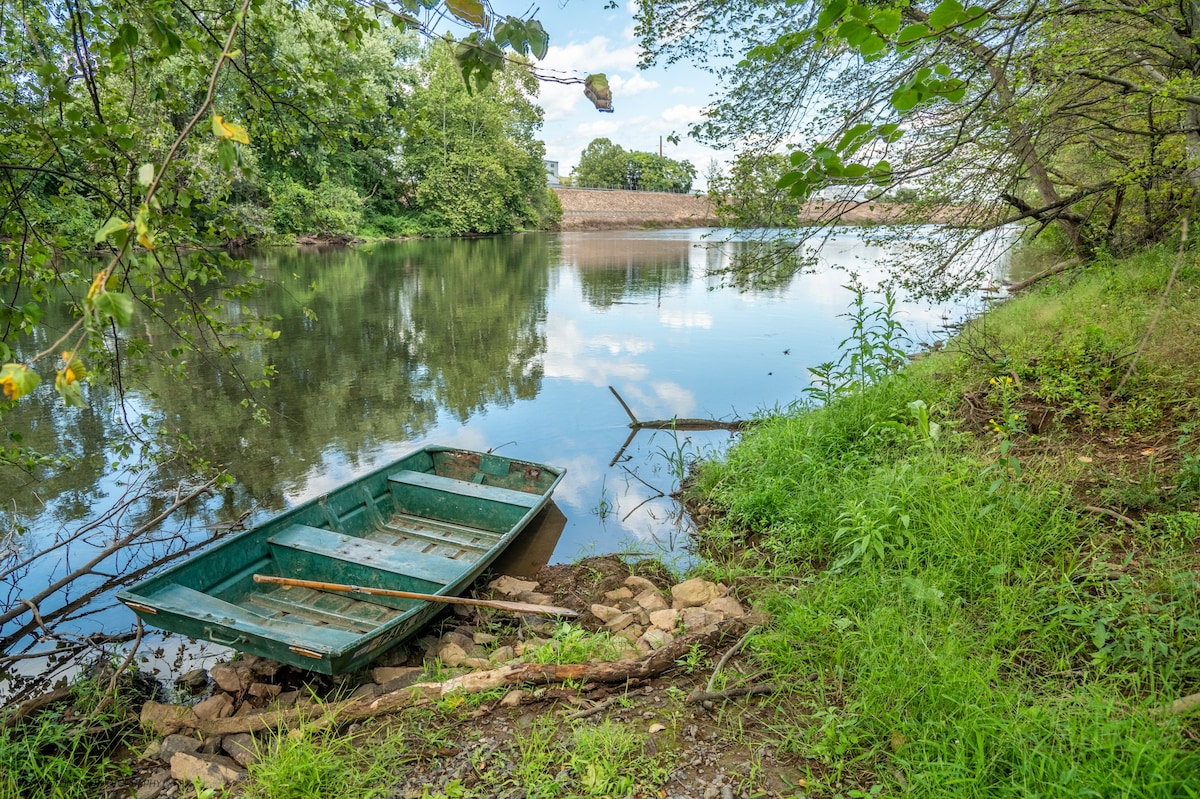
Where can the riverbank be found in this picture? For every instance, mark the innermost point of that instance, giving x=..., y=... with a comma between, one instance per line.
x=976, y=577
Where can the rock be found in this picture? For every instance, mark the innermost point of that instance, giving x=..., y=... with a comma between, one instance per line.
x=605, y=613
x=402, y=682
x=651, y=600
x=154, y=784
x=619, y=622
x=264, y=669
x=241, y=747
x=631, y=633
x=511, y=586
x=230, y=678
x=654, y=638
x=212, y=771
x=693, y=593
x=195, y=680
x=173, y=744
x=217, y=706
x=639, y=584
x=463, y=641
x=451, y=654
x=727, y=606
x=666, y=619
x=262, y=690
x=695, y=619
x=165, y=719
x=618, y=595
x=365, y=691
x=386, y=674
x=512, y=698
x=287, y=698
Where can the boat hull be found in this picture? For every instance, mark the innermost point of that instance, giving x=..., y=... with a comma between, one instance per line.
x=431, y=522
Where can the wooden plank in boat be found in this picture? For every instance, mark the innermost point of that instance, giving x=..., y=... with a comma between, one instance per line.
x=184, y=601
x=359, y=552
x=449, y=485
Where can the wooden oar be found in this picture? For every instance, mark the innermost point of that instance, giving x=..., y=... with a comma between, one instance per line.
x=516, y=607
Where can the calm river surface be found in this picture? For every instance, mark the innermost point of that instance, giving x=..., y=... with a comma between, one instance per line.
x=508, y=343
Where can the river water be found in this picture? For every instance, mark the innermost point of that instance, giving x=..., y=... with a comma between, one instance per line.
x=507, y=343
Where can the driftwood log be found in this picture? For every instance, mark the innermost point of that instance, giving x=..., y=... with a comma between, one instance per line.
x=167, y=719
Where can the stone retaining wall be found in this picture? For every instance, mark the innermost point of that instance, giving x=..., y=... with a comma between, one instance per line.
x=590, y=209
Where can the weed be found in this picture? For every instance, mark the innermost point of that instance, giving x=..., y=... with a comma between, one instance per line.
x=873, y=349
x=694, y=660
x=573, y=644
x=603, y=506
x=49, y=757
x=312, y=764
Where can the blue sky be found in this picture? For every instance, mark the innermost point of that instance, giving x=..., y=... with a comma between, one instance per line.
x=585, y=38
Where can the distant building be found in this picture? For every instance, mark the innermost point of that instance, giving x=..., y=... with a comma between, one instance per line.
x=551, y=168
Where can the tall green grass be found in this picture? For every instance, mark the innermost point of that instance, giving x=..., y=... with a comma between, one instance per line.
x=970, y=634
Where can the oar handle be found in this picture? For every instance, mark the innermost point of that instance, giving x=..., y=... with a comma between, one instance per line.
x=499, y=604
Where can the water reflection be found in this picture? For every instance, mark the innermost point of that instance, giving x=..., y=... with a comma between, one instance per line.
x=504, y=343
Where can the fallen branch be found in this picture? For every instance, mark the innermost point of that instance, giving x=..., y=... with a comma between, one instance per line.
x=679, y=424
x=698, y=696
x=1061, y=266
x=166, y=719
x=1108, y=512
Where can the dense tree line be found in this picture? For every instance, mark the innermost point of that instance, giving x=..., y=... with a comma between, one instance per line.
x=604, y=164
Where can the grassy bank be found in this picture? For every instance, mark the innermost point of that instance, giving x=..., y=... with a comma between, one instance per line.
x=983, y=570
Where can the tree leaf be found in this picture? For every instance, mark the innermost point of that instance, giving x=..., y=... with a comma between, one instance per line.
x=887, y=21
x=948, y=12
x=229, y=130
x=912, y=33
x=110, y=227
x=468, y=11
x=116, y=305
x=17, y=380
x=831, y=13
x=145, y=174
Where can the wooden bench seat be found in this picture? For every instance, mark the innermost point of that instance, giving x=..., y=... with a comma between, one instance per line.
x=463, y=488
x=370, y=554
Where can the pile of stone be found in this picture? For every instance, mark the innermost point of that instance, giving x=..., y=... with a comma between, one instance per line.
x=642, y=613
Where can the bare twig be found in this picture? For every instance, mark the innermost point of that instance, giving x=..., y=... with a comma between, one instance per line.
x=725, y=658
x=696, y=697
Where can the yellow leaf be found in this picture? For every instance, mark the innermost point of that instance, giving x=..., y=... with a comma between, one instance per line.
x=17, y=380
x=229, y=130
x=468, y=11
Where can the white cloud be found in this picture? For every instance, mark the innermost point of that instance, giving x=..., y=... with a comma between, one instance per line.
x=628, y=87
x=681, y=114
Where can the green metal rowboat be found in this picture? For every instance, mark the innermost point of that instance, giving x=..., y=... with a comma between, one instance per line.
x=429, y=523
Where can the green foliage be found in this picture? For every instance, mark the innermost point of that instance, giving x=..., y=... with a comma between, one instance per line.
x=605, y=164
x=471, y=163
x=749, y=195
x=311, y=765
x=990, y=641
x=873, y=349
x=52, y=757
x=129, y=130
